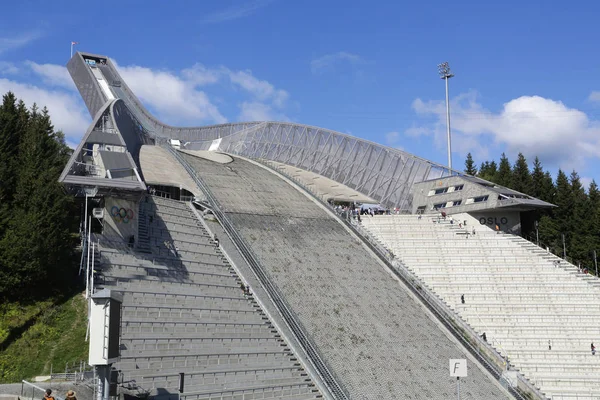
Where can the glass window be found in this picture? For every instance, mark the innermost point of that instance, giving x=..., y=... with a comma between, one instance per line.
x=456, y=203
x=480, y=199
x=458, y=187
x=442, y=190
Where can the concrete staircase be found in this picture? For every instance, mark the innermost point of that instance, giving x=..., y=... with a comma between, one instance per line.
x=185, y=310
x=542, y=317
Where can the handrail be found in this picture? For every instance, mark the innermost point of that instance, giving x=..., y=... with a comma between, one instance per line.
x=447, y=316
x=325, y=373
x=34, y=387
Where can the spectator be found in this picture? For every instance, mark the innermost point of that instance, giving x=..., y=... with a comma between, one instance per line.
x=71, y=395
x=462, y=298
x=497, y=228
x=216, y=239
x=48, y=395
x=484, y=337
x=549, y=344
x=593, y=349
x=473, y=231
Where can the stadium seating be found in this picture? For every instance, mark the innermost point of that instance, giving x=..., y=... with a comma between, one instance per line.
x=374, y=335
x=184, y=310
x=513, y=292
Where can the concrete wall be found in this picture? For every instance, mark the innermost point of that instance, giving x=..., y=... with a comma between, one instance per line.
x=507, y=221
x=130, y=130
x=470, y=190
x=86, y=83
x=117, y=227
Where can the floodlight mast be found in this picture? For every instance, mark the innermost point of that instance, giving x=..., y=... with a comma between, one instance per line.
x=445, y=73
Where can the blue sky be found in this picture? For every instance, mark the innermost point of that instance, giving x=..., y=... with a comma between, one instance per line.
x=526, y=72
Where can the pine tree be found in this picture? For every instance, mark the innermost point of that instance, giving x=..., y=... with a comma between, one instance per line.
x=581, y=209
x=13, y=120
x=488, y=171
x=537, y=179
x=504, y=175
x=593, y=220
x=563, y=213
x=35, y=248
x=470, y=165
x=521, y=178
x=548, y=188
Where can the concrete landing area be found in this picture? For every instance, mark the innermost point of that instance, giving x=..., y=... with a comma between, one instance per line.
x=325, y=187
x=220, y=158
x=159, y=168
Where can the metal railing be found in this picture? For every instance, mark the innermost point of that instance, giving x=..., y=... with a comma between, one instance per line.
x=36, y=391
x=482, y=350
x=325, y=373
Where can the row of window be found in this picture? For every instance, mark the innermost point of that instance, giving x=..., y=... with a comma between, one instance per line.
x=478, y=199
x=454, y=203
x=512, y=196
x=449, y=189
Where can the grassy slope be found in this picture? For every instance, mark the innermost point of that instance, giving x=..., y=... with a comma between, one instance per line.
x=54, y=334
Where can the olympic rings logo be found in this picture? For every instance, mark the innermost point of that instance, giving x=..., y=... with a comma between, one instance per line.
x=121, y=214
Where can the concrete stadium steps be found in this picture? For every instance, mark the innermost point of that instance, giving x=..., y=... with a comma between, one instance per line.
x=194, y=279
x=211, y=359
x=175, y=314
x=286, y=392
x=245, y=329
x=371, y=332
x=513, y=292
x=184, y=310
x=152, y=299
x=177, y=288
x=218, y=275
x=232, y=377
x=214, y=341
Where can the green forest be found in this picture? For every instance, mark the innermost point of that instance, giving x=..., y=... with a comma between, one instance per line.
x=42, y=312
x=577, y=211
x=36, y=245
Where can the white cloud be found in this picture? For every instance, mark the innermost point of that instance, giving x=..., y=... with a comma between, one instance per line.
x=594, y=96
x=174, y=99
x=392, y=138
x=559, y=135
x=52, y=74
x=66, y=109
x=585, y=182
x=262, y=90
x=328, y=61
x=199, y=75
x=178, y=99
x=235, y=12
x=256, y=111
x=9, y=43
x=8, y=68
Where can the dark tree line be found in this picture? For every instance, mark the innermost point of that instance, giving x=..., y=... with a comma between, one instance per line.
x=577, y=211
x=35, y=212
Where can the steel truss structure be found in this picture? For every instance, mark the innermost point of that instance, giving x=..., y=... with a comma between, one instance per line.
x=385, y=174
